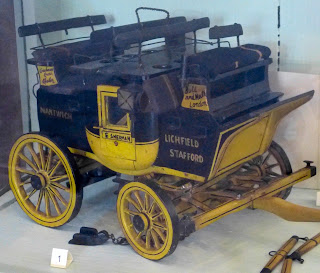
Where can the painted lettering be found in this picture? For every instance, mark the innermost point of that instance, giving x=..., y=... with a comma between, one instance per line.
x=186, y=156
x=118, y=137
x=47, y=75
x=56, y=113
x=181, y=140
x=195, y=97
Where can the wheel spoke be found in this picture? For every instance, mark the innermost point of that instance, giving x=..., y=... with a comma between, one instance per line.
x=159, y=225
x=22, y=170
x=273, y=173
x=146, y=201
x=130, y=212
x=24, y=183
x=151, y=209
x=155, y=238
x=39, y=200
x=41, y=156
x=53, y=170
x=47, y=203
x=57, y=178
x=26, y=177
x=157, y=215
x=48, y=163
x=59, y=196
x=139, y=235
x=272, y=166
x=266, y=158
x=138, y=197
x=25, y=159
x=34, y=155
x=134, y=203
x=55, y=203
x=161, y=235
x=30, y=194
x=148, y=239
x=57, y=185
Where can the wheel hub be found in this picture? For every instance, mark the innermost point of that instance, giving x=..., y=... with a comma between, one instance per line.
x=259, y=169
x=38, y=181
x=140, y=222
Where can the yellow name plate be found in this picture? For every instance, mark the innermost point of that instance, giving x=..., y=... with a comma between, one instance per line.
x=118, y=137
x=195, y=97
x=47, y=75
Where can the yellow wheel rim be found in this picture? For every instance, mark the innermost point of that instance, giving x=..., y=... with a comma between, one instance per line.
x=42, y=180
x=145, y=220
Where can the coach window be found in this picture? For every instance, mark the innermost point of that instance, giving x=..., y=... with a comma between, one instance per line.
x=115, y=117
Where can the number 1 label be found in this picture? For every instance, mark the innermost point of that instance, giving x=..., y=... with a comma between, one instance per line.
x=60, y=258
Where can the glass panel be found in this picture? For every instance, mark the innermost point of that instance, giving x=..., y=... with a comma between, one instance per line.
x=116, y=116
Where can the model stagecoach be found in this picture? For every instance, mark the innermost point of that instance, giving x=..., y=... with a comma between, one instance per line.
x=187, y=133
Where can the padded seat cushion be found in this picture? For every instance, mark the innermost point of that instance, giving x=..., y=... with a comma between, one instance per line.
x=213, y=62
x=263, y=51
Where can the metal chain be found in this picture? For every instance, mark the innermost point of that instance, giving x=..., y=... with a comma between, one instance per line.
x=118, y=241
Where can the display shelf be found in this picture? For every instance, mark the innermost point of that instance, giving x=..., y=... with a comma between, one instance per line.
x=237, y=243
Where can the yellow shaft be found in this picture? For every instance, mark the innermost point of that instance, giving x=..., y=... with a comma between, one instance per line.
x=206, y=218
x=287, y=265
x=281, y=253
x=310, y=244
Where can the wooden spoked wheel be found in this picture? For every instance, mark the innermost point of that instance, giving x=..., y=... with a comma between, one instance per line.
x=272, y=164
x=148, y=220
x=42, y=177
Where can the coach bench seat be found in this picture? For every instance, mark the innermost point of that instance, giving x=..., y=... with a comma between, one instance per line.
x=217, y=61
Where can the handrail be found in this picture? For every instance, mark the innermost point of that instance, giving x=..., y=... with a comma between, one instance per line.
x=146, y=34
x=38, y=29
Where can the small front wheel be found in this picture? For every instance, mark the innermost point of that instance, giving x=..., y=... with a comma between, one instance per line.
x=42, y=176
x=148, y=220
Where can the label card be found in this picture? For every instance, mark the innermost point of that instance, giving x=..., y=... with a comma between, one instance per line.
x=61, y=258
x=195, y=97
x=318, y=198
x=47, y=75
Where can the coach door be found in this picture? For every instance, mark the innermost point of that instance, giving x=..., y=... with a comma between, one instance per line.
x=115, y=125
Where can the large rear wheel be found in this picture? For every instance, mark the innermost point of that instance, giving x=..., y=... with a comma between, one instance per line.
x=148, y=220
x=272, y=164
x=43, y=178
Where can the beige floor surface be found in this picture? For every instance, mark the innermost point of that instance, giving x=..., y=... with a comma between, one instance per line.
x=238, y=243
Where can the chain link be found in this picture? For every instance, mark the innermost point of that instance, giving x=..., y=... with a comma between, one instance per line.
x=118, y=241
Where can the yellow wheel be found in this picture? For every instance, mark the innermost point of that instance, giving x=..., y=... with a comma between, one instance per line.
x=42, y=175
x=148, y=220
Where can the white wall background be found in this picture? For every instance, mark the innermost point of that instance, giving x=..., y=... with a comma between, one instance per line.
x=300, y=35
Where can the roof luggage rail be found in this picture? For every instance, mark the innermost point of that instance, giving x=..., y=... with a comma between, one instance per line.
x=218, y=32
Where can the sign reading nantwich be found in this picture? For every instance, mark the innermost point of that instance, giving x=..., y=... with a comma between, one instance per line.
x=55, y=113
x=195, y=97
x=47, y=75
